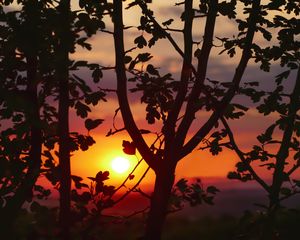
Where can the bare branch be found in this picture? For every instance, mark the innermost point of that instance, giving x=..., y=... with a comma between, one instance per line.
x=132, y=189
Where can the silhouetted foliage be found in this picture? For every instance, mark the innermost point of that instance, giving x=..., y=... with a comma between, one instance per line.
x=40, y=84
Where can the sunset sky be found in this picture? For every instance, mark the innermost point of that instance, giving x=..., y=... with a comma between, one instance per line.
x=221, y=67
x=206, y=90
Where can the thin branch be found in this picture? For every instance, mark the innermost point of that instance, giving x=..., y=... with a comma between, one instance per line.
x=137, y=212
x=127, y=178
x=147, y=12
x=107, y=89
x=110, y=133
x=138, y=190
x=293, y=169
x=106, y=31
x=131, y=189
x=173, y=30
x=242, y=158
x=288, y=196
x=130, y=50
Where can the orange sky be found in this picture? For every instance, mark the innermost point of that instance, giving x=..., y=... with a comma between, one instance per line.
x=197, y=164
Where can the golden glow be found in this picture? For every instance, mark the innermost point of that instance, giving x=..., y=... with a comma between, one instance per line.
x=120, y=164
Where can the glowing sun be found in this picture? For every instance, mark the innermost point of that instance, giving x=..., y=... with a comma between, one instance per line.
x=120, y=164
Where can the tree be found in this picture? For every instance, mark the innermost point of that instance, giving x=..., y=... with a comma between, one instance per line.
x=27, y=107
x=64, y=46
x=34, y=41
x=277, y=149
x=167, y=99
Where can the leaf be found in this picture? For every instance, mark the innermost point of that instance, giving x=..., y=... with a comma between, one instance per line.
x=97, y=75
x=281, y=76
x=197, y=53
x=233, y=175
x=82, y=109
x=140, y=41
x=144, y=57
x=131, y=176
x=168, y=22
x=182, y=185
x=108, y=190
x=212, y=189
x=129, y=147
x=92, y=124
x=95, y=97
x=127, y=59
x=132, y=65
x=102, y=176
x=77, y=180
x=152, y=70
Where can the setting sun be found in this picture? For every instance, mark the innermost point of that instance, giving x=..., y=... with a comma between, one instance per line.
x=120, y=164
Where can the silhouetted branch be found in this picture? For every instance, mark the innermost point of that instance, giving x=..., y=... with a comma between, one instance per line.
x=189, y=115
x=222, y=105
x=242, y=158
x=129, y=122
x=146, y=11
x=173, y=30
x=184, y=80
x=293, y=169
x=283, y=151
x=133, y=188
x=138, y=190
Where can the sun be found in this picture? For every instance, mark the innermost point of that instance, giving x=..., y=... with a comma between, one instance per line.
x=120, y=164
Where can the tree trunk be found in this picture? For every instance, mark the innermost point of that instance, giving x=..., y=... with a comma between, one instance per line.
x=15, y=203
x=159, y=203
x=62, y=71
x=64, y=159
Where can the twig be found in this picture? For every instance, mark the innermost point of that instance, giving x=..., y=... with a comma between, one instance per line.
x=138, y=190
x=134, y=187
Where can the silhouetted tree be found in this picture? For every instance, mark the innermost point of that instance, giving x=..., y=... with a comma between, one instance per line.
x=21, y=49
x=35, y=72
x=167, y=99
x=278, y=147
x=65, y=43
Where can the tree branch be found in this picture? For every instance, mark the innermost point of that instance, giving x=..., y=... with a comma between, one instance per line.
x=283, y=151
x=220, y=108
x=241, y=156
x=122, y=87
x=185, y=76
x=189, y=115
